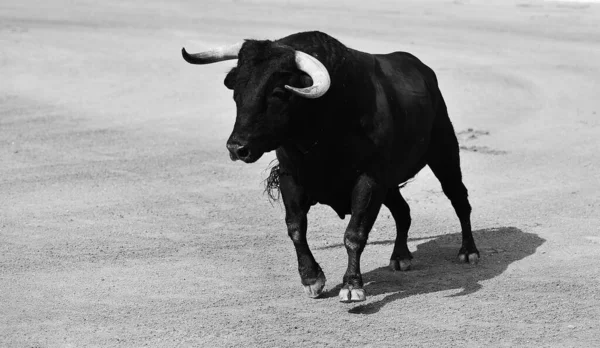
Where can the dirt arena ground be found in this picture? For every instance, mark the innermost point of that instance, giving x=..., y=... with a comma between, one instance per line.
x=123, y=223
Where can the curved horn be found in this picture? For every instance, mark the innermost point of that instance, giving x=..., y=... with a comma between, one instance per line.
x=214, y=55
x=317, y=72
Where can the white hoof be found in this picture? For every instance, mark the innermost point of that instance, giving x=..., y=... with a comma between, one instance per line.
x=402, y=265
x=358, y=295
x=473, y=259
x=315, y=290
x=352, y=295
x=345, y=295
x=405, y=265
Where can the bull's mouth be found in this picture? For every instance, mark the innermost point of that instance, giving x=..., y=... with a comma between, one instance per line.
x=249, y=152
x=251, y=157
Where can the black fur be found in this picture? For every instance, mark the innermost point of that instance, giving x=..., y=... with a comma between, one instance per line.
x=381, y=121
x=272, y=183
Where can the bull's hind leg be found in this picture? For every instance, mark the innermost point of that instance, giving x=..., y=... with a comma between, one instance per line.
x=444, y=161
x=296, y=208
x=401, y=256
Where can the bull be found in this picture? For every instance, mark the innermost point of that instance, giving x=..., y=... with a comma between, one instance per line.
x=348, y=128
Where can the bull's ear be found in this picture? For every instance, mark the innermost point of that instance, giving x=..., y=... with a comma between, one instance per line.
x=230, y=78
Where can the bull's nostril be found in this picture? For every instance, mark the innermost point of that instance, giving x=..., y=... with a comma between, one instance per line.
x=238, y=151
x=242, y=152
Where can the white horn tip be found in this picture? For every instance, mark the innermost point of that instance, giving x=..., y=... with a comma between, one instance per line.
x=311, y=92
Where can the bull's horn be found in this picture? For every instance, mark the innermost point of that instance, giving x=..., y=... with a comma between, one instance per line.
x=317, y=72
x=212, y=56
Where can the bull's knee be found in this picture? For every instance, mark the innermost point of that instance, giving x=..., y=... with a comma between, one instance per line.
x=355, y=241
x=295, y=232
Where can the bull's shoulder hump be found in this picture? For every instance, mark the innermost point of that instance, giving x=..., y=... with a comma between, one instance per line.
x=397, y=55
x=400, y=61
x=405, y=71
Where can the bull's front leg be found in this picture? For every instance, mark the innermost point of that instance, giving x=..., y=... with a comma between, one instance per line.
x=367, y=197
x=296, y=208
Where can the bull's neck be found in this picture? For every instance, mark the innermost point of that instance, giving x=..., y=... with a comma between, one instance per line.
x=352, y=88
x=339, y=111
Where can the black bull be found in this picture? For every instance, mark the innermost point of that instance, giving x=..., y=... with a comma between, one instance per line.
x=353, y=130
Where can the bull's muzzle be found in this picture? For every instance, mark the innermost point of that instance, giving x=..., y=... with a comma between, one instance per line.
x=238, y=152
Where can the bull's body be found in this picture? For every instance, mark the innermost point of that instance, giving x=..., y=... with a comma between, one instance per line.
x=380, y=122
x=376, y=119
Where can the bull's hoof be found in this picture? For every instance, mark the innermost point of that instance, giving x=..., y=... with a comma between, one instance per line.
x=349, y=294
x=316, y=289
x=472, y=258
x=468, y=253
x=402, y=265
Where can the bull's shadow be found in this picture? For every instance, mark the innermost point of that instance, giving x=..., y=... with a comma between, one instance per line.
x=435, y=267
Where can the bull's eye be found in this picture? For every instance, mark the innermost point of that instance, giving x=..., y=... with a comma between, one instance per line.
x=278, y=93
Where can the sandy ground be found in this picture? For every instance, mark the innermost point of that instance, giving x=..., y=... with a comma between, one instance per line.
x=123, y=223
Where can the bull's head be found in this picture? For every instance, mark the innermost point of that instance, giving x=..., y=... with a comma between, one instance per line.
x=262, y=81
